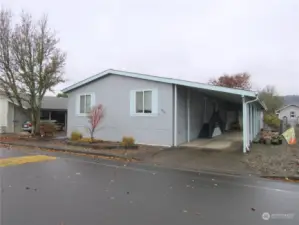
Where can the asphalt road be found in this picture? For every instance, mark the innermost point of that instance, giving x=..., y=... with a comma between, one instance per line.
x=72, y=190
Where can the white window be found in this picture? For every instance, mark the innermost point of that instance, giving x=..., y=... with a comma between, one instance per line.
x=292, y=114
x=84, y=103
x=144, y=102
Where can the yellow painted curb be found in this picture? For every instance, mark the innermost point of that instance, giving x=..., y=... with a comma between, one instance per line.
x=24, y=159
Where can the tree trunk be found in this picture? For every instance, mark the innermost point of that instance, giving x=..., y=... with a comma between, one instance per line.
x=32, y=122
x=35, y=115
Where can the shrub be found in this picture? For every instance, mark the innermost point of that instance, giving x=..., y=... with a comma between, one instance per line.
x=89, y=140
x=47, y=128
x=272, y=120
x=128, y=142
x=76, y=135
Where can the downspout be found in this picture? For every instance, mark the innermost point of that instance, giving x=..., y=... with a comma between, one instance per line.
x=246, y=103
x=254, y=100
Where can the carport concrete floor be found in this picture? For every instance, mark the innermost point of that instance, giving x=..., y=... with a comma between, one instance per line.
x=223, y=152
x=230, y=141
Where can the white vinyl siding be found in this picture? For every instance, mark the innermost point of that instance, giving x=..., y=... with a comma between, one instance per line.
x=4, y=110
x=85, y=102
x=144, y=102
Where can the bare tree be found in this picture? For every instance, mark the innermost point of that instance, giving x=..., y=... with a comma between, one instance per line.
x=271, y=98
x=94, y=119
x=30, y=62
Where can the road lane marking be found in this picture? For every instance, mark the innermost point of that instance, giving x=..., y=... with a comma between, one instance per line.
x=13, y=161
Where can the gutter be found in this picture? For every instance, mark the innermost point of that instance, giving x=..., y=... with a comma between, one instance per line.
x=257, y=99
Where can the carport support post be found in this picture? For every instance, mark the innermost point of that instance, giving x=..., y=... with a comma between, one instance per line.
x=65, y=121
x=175, y=114
x=256, y=122
x=188, y=115
x=253, y=123
x=249, y=124
x=244, y=118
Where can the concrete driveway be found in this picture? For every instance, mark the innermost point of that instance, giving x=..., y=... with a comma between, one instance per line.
x=202, y=159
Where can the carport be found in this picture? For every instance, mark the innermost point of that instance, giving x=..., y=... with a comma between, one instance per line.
x=54, y=108
x=209, y=111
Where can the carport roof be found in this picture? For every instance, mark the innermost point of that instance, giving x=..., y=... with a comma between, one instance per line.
x=192, y=84
x=53, y=102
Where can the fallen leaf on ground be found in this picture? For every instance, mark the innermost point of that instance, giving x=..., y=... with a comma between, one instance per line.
x=253, y=209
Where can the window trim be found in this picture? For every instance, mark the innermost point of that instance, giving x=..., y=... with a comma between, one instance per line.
x=78, y=103
x=154, y=101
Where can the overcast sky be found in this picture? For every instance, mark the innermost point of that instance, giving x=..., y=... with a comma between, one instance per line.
x=187, y=39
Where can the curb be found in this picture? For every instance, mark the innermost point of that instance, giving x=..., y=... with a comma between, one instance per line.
x=78, y=144
x=60, y=149
x=206, y=171
x=286, y=178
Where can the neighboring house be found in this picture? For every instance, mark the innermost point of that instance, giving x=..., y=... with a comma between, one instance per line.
x=289, y=114
x=160, y=111
x=12, y=117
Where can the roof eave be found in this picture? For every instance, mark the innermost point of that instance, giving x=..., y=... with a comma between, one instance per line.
x=160, y=79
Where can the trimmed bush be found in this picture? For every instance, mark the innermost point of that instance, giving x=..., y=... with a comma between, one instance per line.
x=47, y=128
x=272, y=120
x=89, y=140
x=76, y=136
x=128, y=142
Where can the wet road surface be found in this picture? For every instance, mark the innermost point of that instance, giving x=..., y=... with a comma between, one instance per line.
x=73, y=190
